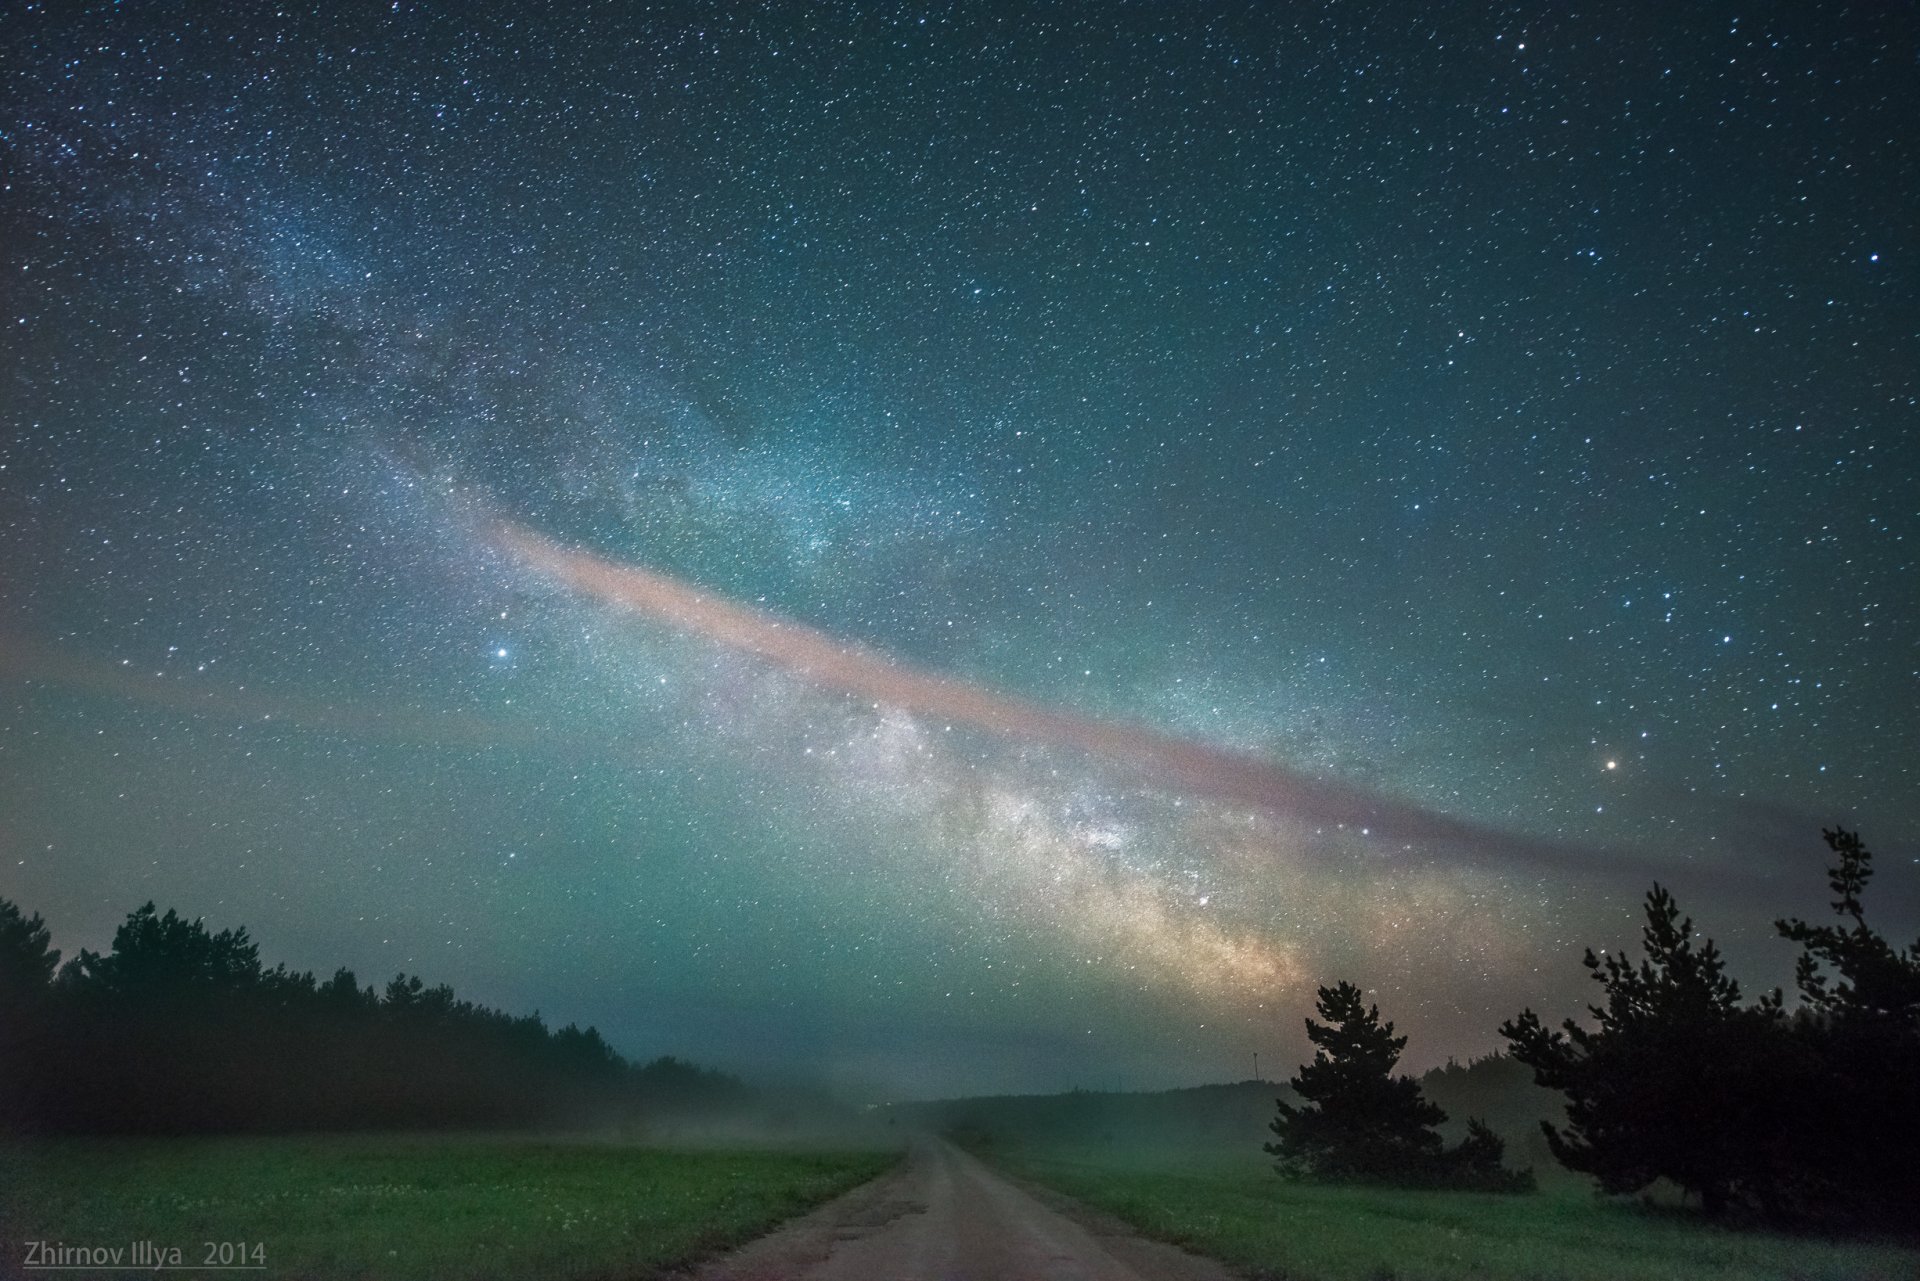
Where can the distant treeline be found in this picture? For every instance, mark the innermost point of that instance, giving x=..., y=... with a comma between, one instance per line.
x=1234, y=1115
x=179, y=1029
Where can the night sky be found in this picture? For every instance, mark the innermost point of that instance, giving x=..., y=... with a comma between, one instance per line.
x=1486, y=433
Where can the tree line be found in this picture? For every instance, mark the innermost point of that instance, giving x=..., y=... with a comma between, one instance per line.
x=179, y=1029
x=1807, y=1115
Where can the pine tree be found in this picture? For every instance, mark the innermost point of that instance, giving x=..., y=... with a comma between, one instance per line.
x=28, y=960
x=1875, y=982
x=1678, y=1079
x=1858, y=1127
x=1360, y=1121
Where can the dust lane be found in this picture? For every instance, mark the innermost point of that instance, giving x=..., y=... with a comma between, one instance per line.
x=944, y=1216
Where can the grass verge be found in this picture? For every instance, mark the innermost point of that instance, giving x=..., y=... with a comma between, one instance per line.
x=427, y=1206
x=1238, y=1210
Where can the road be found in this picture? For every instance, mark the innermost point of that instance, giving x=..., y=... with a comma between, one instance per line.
x=944, y=1216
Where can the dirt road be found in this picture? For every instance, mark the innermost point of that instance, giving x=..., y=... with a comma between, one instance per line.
x=943, y=1216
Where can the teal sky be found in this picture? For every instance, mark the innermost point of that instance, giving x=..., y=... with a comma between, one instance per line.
x=1504, y=414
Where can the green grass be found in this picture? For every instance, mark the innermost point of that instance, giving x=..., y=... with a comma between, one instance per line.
x=414, y=1206
x=1238, y=1210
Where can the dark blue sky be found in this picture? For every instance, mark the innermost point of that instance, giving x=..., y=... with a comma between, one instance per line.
x=1507, y=412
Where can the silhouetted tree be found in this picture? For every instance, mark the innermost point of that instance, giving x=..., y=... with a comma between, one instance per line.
x=28, y=961
x=1476, y=1162
x=1858, y=1129
x=1811, y=1116
x=158, y=956
x=27, y=958
x=1678, y=1079
x=1360, y=1122
x=1876, y=982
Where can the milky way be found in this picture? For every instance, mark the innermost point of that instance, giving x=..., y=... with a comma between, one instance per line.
x=1156, y=759
x=1036, y=536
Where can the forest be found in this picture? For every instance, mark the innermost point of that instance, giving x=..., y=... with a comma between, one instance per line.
x=177, y=1028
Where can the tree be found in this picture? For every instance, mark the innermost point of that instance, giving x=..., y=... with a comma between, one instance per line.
x=167, y=957
x=27, y=964
x=27, y=959
x=1362, y=1123
x=1876, y=982
x=1678, y=1079
x=1858, y=1129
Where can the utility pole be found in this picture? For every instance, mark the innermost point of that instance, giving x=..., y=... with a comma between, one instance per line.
x=1256, y=1065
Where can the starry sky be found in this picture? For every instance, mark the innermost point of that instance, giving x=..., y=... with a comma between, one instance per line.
x=959, y=548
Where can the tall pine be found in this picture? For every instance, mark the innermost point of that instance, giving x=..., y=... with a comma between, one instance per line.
x=1856, y=1130
x=1360, y=1121
x=1678, y=1079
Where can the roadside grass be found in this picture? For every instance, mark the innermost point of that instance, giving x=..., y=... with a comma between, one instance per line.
x=1237, y=1210
x=414, y=1206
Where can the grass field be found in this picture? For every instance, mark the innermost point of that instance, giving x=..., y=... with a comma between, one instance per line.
x=413, y=1206
x=1237, y=1209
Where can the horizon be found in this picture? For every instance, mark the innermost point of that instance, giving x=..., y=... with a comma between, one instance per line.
x=902, y=548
